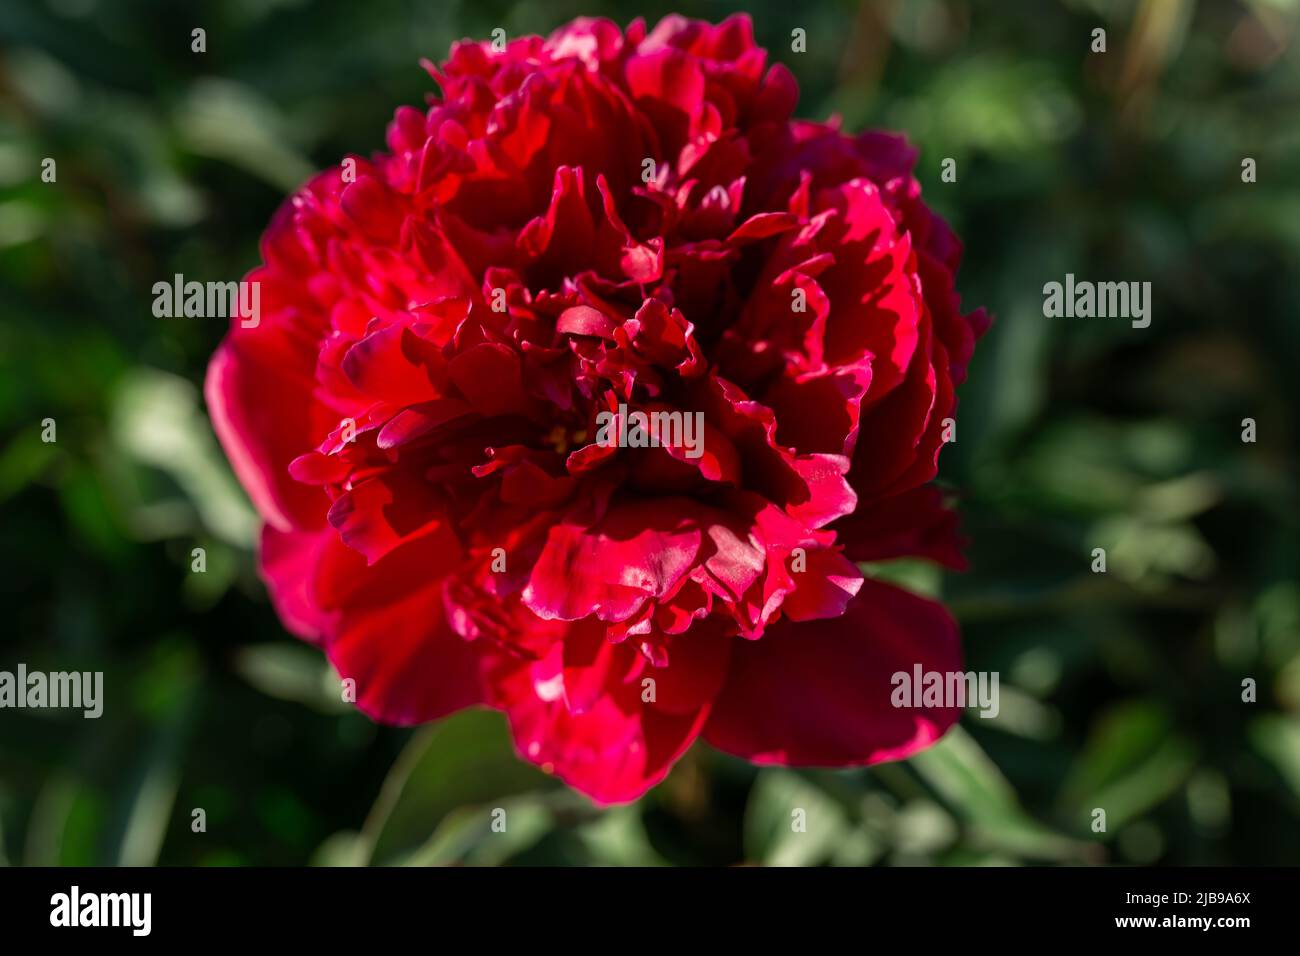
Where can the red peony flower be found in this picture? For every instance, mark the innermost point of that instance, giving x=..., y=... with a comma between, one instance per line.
x=581, y=230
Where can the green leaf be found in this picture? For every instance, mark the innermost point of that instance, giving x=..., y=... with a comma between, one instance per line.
x=1277, y=738
x=790, y=821
x=974, y=788
x=1130, y=763
x=226, y=120
x=485, y=835
x=292, y=672
x=464, y=759
x=617, y=837
x=156, y=421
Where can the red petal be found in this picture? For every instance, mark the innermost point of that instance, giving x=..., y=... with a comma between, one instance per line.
x=381, y=513
x=819, y=693
x=408, y=664
x=490, y=378
x=394, y=364
x=762, y=226
x=259, y=397
x=824, y=588
x=639, y=550
x=615, y=750
x=288, y=566
x=913, y=524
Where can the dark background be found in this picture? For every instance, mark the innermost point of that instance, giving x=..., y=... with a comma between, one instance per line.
x=1120, y=691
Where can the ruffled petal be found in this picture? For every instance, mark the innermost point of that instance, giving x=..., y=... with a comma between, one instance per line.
x=819, y=693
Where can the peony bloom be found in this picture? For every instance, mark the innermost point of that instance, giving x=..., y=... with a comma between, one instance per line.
x=580, y=228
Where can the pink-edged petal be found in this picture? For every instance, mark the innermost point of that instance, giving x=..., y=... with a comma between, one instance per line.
x=288, y=562
x=394, y=364
x=824, y=588
x=898, y=438
x=762, y=226
x=616, y=748
x=381, y=513
x=584, y=320
x=822, y=494
x=259, y=400
x=638, y=551
x=420, y=421
x=669, y=86
x=813, y=488
x=819, y=693
x=820, y=413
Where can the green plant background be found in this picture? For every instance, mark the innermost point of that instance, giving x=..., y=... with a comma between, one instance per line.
x=1120, y=690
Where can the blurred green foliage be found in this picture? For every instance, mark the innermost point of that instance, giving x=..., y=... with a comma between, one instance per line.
x=1121, y=691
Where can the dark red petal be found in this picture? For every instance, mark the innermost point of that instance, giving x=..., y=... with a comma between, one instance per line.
x=490, y=378
x=697, y=667
x=912, y=524
x=819, y=693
